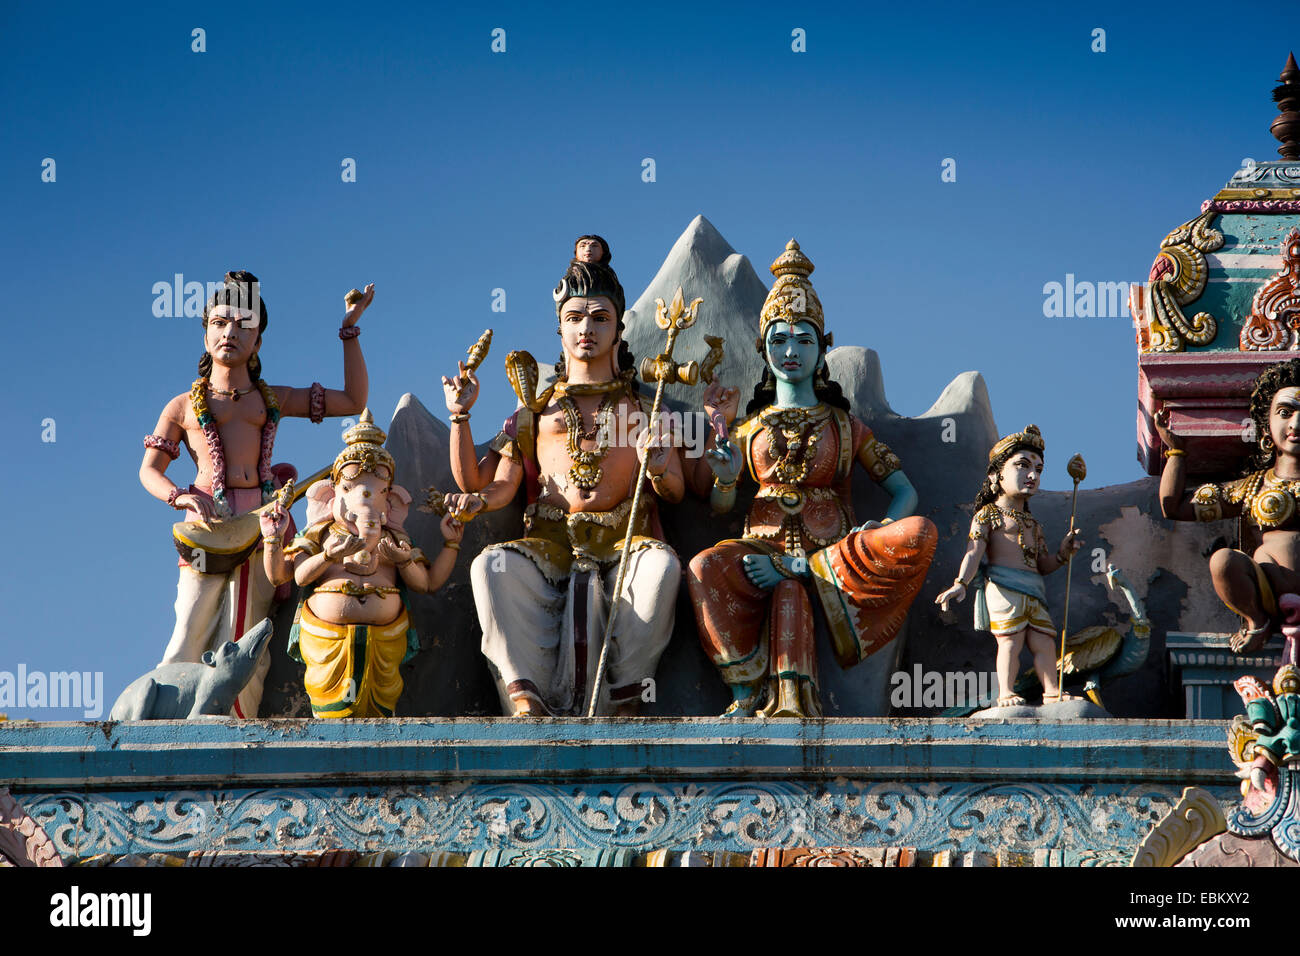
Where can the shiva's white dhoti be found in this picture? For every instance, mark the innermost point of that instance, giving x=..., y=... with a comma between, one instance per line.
x=543, y=636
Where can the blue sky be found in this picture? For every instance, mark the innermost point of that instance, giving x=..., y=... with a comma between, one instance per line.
x=475, y=170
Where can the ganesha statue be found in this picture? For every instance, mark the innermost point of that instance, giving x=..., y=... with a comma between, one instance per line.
x=355, y=563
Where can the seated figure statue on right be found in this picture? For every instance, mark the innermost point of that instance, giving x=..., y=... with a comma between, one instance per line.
x=1256, y=585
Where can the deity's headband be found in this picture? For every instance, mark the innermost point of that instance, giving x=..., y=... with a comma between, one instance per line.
x=587, y=280
x=365, y=449
x=792, y=298
x=1030, y=438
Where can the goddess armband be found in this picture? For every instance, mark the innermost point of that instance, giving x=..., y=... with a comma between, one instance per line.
x=1208, y=503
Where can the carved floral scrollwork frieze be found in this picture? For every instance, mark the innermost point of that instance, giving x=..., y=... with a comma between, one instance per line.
x=1274, y=320
x=1100, y=822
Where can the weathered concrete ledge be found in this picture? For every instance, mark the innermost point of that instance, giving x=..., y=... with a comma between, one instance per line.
x=157, y=754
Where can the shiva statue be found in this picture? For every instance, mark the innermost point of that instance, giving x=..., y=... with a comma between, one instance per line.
x=228, y=421
x=542, y=599
x=798, y=442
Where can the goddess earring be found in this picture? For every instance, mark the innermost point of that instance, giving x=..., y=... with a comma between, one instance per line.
x=1266, y=444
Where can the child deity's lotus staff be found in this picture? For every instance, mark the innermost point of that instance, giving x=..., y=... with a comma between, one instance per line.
x=661, y=370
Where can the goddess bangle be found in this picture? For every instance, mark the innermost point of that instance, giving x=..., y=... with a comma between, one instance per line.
x=721, y=485
x=1174, y=452
x=460, y=417
x=958, y=580
x=350, y=332
x=270, y=539
x=454, y=545
x=176, y=493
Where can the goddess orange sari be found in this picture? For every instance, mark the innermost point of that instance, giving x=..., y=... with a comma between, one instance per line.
x=864, y=581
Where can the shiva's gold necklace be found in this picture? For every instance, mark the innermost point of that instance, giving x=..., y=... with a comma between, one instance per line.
x=585, y=471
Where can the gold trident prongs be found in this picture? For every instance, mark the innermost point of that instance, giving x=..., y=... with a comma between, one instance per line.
x=673, y=319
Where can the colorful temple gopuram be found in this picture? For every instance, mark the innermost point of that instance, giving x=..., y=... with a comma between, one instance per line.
x=777, y=635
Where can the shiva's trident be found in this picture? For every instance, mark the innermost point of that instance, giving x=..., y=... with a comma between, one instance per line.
x=661, y=370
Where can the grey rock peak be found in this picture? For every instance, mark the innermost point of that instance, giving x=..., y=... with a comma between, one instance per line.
x=705, y=266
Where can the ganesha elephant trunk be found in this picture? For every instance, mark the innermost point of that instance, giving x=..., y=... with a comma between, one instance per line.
x=369, y=524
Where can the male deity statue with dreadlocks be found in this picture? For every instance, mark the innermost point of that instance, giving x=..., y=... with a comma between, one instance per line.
x=1257, y=580
x=543, y=599
x=227, y=421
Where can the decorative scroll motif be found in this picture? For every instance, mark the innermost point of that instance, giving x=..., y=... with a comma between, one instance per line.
x=1274, y=321
x=1178, y=276
x=1228, y=849
x=1251, y=205
x=1196, y=818
x=22, y=841
x=1096, y=824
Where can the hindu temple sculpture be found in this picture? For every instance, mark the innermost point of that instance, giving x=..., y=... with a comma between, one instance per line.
x=799, y=442
x=1254, y=579
x=354, y=563
x=542, y=599
x=1005, y=563
x=228, y=421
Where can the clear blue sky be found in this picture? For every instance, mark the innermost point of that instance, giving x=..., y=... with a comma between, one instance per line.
x=476, y=170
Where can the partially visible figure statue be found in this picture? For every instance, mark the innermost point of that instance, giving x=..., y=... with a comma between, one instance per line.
x=354, y=561
x=753, y=595
x=228, y=421
x=1251, y=580
x=1005, y=563
x=543, y=599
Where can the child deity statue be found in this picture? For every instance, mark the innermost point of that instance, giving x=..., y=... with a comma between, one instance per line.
x=1005, y=563
x=227, y=421
x=1255, y=579
x=798, y=441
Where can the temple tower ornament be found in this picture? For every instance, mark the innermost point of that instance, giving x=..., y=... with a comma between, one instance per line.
x=1286, y=127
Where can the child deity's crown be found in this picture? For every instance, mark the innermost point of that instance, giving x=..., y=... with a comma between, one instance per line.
x=365, y=448
x=792, y=298
x=1031, y=437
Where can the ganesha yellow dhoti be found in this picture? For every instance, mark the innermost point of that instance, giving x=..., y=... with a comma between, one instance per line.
x=352, y=669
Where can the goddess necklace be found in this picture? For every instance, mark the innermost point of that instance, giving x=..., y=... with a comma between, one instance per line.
x=793, y=434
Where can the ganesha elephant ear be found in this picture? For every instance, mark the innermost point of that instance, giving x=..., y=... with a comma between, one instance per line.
x=320, y=502
x=399, y=504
